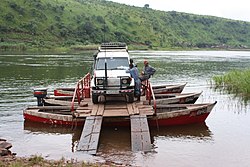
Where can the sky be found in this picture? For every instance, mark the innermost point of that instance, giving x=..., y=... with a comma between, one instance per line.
x=232, y=9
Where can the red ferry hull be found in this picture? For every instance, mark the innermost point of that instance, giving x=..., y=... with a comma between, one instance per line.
x=153, y=121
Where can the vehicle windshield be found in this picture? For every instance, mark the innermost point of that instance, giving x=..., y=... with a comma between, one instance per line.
x=113, y=63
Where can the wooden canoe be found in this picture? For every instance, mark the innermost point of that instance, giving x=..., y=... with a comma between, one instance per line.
x=177, y=98
x=64, y=91
x=164, y=89
x=158, y=89
x=173, y=98
x=181, y=114
x=166, y=115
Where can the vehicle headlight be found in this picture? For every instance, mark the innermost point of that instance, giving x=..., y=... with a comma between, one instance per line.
x=124, y=81
x=100, y=81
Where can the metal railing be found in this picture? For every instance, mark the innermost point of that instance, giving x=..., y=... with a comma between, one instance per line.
x=82, y=90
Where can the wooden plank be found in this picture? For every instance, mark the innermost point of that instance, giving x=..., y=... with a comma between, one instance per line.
x=115, y=106
x=100, y=109
x=140, y=136
x=130, y=109
x=141, y=142
x=136, y=141
x=88, y=142
x=146, y=112
x=146, y=141
x=83, y=104
x=97, y=124
x=146, y=108
x=85, y=108
x=50, y=107
x=116, y=113
x=136, y=110
x=91, y=147
x=143, y=106
x=81, y=115
x=115, y=110
x=94, y=109
x=59, y=102
x=83, y=111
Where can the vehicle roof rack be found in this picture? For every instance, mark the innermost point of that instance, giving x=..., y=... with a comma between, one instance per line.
x=113, y=46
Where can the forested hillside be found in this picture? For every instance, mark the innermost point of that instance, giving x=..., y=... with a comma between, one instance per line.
x=53, y=23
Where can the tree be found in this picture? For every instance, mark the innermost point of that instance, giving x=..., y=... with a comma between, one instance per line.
x=146, y=6
x=9, y=17
x=89, y=27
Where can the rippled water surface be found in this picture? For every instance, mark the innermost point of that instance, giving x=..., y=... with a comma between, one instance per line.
x=223, y=140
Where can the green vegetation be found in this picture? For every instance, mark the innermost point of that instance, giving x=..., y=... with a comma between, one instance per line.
x=49, y=24
x=236, y=81
x=38, y=161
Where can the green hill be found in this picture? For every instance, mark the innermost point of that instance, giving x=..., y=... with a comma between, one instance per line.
x=53, y=23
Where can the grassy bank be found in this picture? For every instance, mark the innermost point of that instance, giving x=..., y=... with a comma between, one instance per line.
x=22, y=48
x=26, y=48
x=38, y=161
x=11, y=161
x=235, y=81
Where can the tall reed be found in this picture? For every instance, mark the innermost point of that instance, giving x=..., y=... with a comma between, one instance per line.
x=235, y=81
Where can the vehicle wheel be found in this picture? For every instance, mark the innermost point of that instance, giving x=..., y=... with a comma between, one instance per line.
x=95, y=99
x=131, y=98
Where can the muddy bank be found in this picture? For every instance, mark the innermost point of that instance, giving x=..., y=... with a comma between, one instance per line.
x=7, y=158
x=38, y=161
x=12, y=160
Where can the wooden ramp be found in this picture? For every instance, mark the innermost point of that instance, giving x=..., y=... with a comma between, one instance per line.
x=140, y=136
x=90, y=135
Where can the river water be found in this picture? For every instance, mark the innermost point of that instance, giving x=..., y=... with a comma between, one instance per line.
x=223, y=140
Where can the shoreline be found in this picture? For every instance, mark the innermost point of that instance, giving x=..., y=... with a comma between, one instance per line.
x=38, y=161
x=24, y=48
x=13, y=160
x=93, y=48
x=7, y=158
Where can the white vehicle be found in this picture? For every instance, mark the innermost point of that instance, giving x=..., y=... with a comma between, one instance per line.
x=110, y=77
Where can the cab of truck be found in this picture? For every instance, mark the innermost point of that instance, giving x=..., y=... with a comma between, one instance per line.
x=109, y=74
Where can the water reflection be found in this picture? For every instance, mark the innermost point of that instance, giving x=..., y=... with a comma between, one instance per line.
x=40, y=128
x=243, y=99
x=115, y=142
x=115, y=145
x=198, y=132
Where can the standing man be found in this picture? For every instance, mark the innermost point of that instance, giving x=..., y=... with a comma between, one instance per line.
x=147, y=72
x=131, y=61
x=135, y=74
